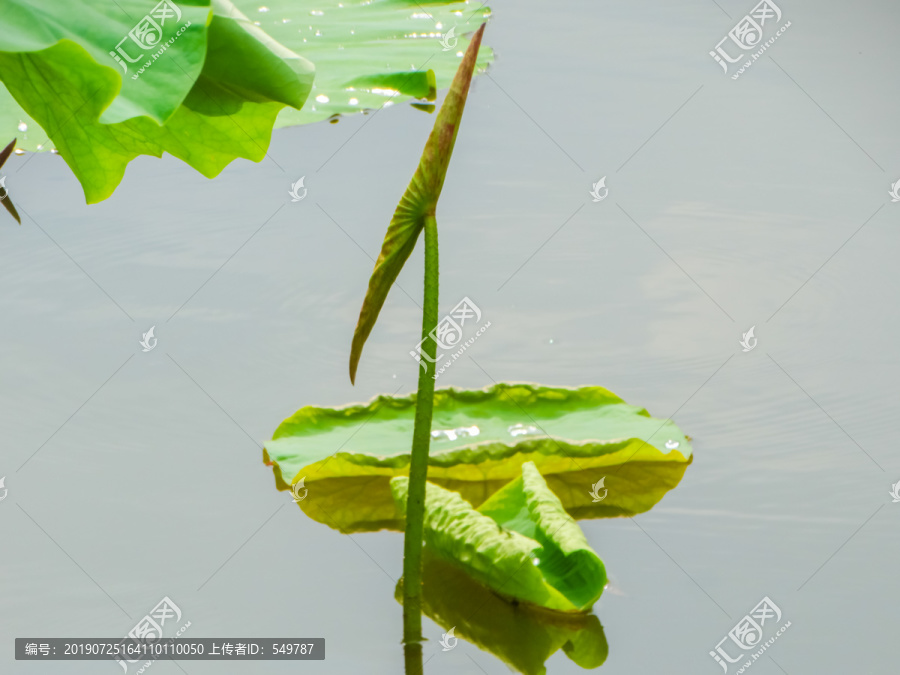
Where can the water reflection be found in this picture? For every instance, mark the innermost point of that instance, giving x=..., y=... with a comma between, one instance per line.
x=354, y=495
x=523, y=637
x=364, y=503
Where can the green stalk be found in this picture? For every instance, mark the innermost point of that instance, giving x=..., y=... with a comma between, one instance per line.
x=412, y=659
x=418, y=466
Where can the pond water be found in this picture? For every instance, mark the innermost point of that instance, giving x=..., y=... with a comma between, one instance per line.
x=757, y=202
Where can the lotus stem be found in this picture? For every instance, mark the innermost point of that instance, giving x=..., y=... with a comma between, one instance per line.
x=418, y=466
x=412, y=657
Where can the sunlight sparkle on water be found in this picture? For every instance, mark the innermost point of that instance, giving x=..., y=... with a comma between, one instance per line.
x=453, y=434
x=522, y=430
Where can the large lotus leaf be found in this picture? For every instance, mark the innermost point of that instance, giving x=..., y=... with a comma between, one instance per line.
x=521, y=636
x=520, y=543
x=100, y=27
x=574, y=436
x=55, y=63
x=369, y=54
x=227, y=113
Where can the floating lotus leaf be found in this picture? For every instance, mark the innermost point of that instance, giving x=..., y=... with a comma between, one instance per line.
x=521, y=636
x=520, y=543
x=369, y=53
x=575, y=437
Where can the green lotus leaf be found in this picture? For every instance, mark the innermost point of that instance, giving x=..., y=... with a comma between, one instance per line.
x=372, y=54
x=417, y=84
x=104, y=31
x=575, y=437
x=228, y=111
x=521, y=636
x=72, y=77
x=520, y=543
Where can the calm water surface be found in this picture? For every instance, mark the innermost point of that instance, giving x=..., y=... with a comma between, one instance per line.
x=134, y=476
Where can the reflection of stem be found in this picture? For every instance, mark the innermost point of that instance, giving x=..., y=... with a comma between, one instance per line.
x=418, y=466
